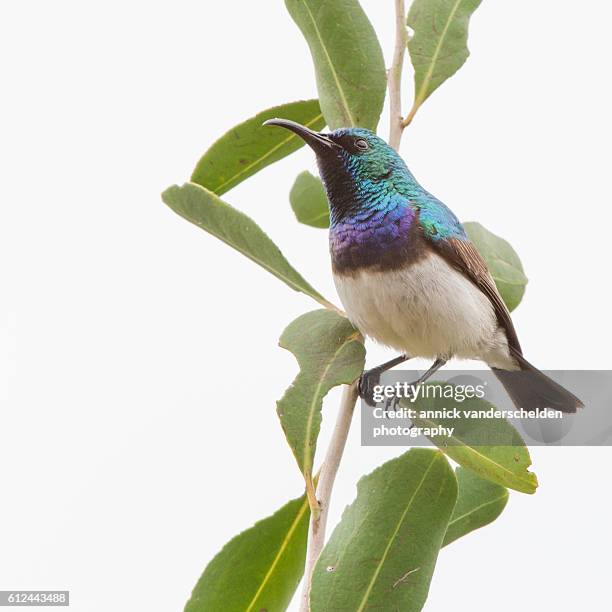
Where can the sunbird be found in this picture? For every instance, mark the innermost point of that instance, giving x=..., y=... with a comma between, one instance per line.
x=407, y=274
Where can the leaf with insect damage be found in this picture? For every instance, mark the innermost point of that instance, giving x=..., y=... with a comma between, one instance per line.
x=330, y=352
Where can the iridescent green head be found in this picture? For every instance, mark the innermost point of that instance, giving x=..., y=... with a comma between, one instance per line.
x=359, y=169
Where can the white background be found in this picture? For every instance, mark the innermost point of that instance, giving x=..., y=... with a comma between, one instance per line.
x=138, y=355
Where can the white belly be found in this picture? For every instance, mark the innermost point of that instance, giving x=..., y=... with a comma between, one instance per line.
x=428, y=310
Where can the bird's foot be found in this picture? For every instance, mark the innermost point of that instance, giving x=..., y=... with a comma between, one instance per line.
x=371, y=378
x=367, y=382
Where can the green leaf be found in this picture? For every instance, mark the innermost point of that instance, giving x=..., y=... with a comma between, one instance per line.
x=479, y=502
x=204, y=209
x=329, y=352
x=260, y=568
x=491, y=447
x=348, y=60
x=308, y=200
x=382, y=554
x=248, y=148
x=438, y=47
x=503, y=262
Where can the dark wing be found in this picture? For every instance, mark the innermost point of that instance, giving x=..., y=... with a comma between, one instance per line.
x=464, y=256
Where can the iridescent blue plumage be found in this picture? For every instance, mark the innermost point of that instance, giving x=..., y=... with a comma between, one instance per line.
x=379, y=212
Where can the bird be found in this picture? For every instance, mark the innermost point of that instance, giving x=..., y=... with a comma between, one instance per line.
x=407, y=274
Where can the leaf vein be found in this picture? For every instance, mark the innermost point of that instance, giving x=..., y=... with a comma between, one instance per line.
x=393, y=536
x=512, y=474
x=434, y=58
x=279, y=554
x=307, y=455
x=474, y=510
x=331, y=65
x=263, y=157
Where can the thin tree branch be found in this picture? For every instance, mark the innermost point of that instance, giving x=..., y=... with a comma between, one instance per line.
x=316, y=532
x=396, y=127
x=318, y=521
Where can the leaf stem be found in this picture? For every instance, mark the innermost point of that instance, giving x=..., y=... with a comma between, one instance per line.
x=315, y=508
x=408, y=120
x=331, y=306
x=397, y=123
x=316, y=532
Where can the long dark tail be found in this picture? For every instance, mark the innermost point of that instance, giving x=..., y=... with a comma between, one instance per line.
x=532, y=390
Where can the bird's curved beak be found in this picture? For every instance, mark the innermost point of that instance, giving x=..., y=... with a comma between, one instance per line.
x=320, y=143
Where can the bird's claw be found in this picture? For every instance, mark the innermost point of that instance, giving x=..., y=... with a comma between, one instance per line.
x=367, y=381
x=370, y=379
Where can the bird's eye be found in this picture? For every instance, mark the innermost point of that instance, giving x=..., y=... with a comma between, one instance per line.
x=361, y=144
